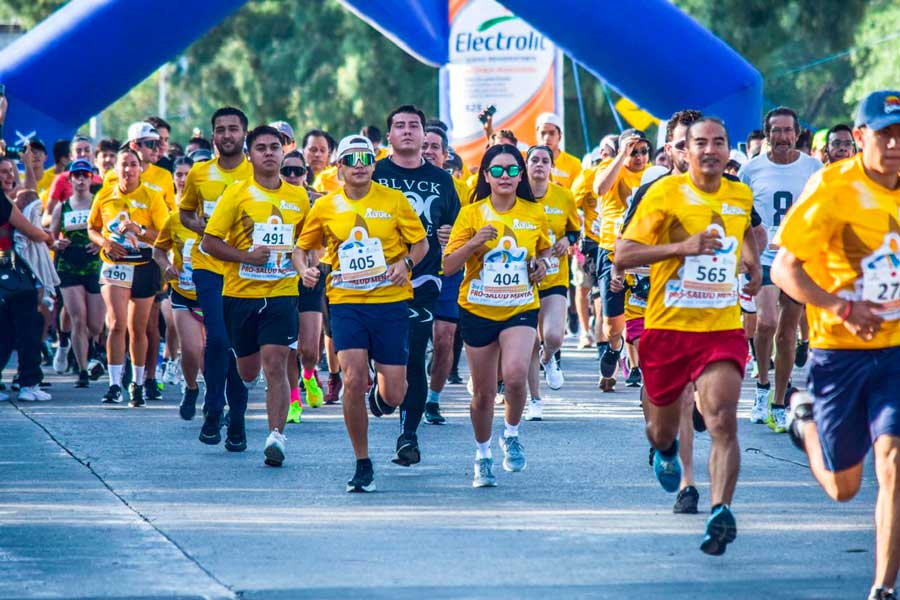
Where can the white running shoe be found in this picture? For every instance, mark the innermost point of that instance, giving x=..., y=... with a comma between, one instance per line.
x=170, y=372
x=534, y=411
x=470, y=386
x=553, y=375
x=760, y=411
x=33, y=394
x=500, y=398
x=61, y=359
x=275, y=448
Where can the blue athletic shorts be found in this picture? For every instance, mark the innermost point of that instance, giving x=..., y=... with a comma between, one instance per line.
x=448, y=302
x=855, y=400
x=381, y=329
x=613, y=303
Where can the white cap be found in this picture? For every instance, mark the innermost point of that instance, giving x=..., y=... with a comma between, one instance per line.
x=548, y=117
x=354, y=143
x=739, y=157
x=142, y=130
x=653, y=173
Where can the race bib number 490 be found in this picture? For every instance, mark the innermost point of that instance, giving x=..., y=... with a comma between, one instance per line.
x=707, y=281
x=117, y=275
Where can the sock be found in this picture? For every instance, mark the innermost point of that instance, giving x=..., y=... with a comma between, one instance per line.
x=295, y=394
x=510, y=430
x=763, y=386
x=335, y=376
x=716, y=506
x=433, y=397
x=533, y=399
x=309, y=373
x=115, y=374
x=483, y=449
x=138, y=375
x=364, y=462
x=752, y=347
x=64, y=339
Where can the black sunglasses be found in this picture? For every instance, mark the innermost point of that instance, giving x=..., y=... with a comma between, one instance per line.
x=293, y=171
x=151, y=144
x=641, y=152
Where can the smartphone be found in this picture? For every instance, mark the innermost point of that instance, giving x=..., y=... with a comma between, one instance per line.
x=489, y=111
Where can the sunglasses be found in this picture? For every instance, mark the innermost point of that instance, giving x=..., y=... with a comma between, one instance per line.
x=293, y=171
x=358, y=158
x=511, y=170
x=641, y=152
x=81, y=175
x=151, y=144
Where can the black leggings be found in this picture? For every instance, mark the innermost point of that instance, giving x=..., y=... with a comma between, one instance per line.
x=421, y=321
x=21, y=328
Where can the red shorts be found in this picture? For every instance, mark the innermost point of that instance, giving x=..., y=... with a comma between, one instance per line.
x=672, y=359
x=634, y=329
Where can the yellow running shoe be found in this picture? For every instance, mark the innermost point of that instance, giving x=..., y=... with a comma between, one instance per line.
x=314, y=396
x=294, y=412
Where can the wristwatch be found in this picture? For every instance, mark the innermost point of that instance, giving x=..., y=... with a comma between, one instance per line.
x=409, y=263
x=546, y=262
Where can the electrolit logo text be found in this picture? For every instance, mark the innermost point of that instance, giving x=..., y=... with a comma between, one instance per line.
x=498, y=42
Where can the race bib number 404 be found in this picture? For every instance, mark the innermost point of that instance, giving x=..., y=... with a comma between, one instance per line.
x=881, y=278
x=707, y=281
x=117, y=275
x=504, y=277
x=362, y=263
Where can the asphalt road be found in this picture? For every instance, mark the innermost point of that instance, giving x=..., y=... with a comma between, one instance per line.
x=126, y=503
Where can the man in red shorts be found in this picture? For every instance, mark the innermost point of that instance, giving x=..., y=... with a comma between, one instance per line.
x=691, y=229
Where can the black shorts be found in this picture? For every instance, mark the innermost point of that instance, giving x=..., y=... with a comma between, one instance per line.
x=479, y=332
x=556, y=290
x=256, y=322
x=180, y=302
x=90, y=283
x=311, y=299
x=613, y=303
x=147, y=281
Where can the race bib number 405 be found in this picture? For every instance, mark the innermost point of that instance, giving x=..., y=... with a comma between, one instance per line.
x=117, y=275
x=278, y=238
x=881, y=277
x=504, y=277
x=707, y=281
x=362, y=263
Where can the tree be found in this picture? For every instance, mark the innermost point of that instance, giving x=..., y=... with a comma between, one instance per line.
x=878, y=44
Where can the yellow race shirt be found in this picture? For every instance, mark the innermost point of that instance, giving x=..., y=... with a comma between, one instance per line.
x=696, y=293
x=205, y=184
x=562, y=218
x=249, y=215
x=586, y=202
x=327, y=180
x=112, y=209
x=156, y=178
x=565, y=169
x=614, y=203
x=363, y=238
x=496, y=284
x=462, y=190
x=844, y=227
x=180, y=240
x=43, y=186
x=382, y=153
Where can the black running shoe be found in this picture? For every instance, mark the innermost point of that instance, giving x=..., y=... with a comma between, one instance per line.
x=407, y=453
x=95, y=369
x=721, y=530
x=83, y=379
x=802, y=354
x=209, y=433
x=634, y=378
x=151, y=390
x=686, y=501
x=113, y=395
x=699, y=421
x=377, y=405
x=136, y=392
x=236, y=437
x=364, y=478
x=188, y=407
x=609, y=361
x=454, y=379
x=433, y=414
x=882, y=594
x=652, y=452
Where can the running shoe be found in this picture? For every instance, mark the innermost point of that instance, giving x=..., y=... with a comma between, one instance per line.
x=171, y=372
x=408, y=453
x=686, y=501
x=534, y=410
x=500, y=398
x=314, y=396
x=188, y=407
x=433, y=414
x=377, y=404
x=113, y=395
x=882, y=594
x=363, y=479
x=236, y=435
x=470, y=386
x=484, y=473
x=95, y=369
x=513, y=454
x=84, y=379
x=274, y=451
x=800, y=413
x=609, y=361
x=760, y=411
x=553, y=375
x=454, y=378
x=802, y=354
x=585, y=341
x=333, y=395
x=295, y=412
x=698, y=421
x=754, y=369
x=210, y=431
x=607, y=384
x=668, y=469
x=635, y=379
x=61, y=359
x=721, y=530
x=776, y=419
x=33, y=393
x=136, y=393
x=151, y=390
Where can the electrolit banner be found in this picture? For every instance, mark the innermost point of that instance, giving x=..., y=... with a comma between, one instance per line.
x=496, y=59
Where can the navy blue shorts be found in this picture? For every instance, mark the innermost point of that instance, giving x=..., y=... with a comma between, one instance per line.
x=447, y=308
x=613, y=303
x=381, y=329
x=767, y=280
x=855, y=400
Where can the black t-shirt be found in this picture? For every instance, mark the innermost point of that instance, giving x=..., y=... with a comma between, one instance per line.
x=5, y=209
x=431, y=193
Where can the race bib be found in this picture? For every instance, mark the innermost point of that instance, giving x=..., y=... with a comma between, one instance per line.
x=278, y=238
x=504, y=277
x=362, y=263
x=553, y=268
x=208, y=207
x=707, y=281
x=617, y=226
x=118, y=275
x=596, y=226
x=186, y=277
x=75, y=220
x=770, y=233
x=881, y=277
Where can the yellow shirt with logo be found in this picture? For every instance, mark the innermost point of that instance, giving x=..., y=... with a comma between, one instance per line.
x=496, y=284
x=562, y=218
x=111, y=209
x=43, y=186
x=379, y=226
x=327, y=180
x=693, y=293
x=614, y=203
x=586, y=202
x=249, y=215
x=156, y=178
x=205, y=184
x=566, y=169
x=845, y=229
x=462, y=190
x=180, y=240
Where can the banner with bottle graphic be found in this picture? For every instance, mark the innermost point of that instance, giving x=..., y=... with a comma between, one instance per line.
x=496, y=59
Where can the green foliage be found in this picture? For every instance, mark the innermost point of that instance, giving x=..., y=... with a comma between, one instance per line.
x=878, y=43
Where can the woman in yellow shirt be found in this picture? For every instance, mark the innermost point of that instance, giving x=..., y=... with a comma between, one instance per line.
x=503, y=243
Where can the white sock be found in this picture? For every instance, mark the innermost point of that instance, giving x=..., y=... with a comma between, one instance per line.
x=138, y=375
x=115, y=374
x=483, y=449
x=535, y=399
x=433, y=396
x=510, y=430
